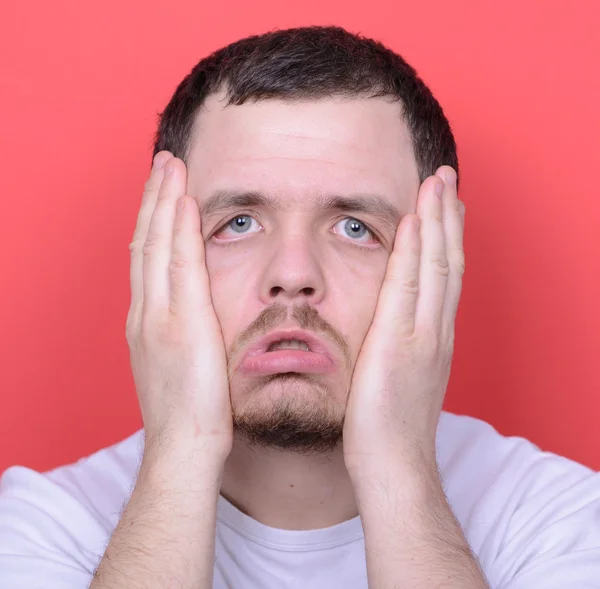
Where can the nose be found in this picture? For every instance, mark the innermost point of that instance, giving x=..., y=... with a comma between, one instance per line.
x=293, y=273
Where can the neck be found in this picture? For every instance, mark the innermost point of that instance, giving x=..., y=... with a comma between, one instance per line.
x=289, y=491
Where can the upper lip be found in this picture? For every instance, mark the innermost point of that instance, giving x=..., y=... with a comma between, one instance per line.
x=315, y=343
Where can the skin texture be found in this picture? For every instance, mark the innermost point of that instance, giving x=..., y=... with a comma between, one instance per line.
x=295, y=152
x=201, y=295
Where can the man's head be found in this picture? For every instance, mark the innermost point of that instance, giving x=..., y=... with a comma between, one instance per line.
x=304, y=148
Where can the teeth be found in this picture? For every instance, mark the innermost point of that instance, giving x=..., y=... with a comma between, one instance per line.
x=288, y=344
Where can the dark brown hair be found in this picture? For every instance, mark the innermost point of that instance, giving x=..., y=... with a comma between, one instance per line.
x=310, y=63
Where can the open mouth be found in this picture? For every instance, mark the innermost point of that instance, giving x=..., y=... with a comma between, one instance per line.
x=288, y=344
x=287, y=351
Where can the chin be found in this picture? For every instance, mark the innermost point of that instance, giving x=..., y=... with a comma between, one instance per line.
x=289, y=411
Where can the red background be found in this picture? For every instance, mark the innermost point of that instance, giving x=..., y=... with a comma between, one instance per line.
x=80, y=88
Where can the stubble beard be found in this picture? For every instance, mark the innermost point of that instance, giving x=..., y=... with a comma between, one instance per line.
x=310, y=423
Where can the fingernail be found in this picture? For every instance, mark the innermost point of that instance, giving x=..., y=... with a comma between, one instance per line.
x=439, y=187
x=450, y=177
x=159, y=161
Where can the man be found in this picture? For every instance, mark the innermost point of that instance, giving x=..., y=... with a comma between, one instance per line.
x=296, y=270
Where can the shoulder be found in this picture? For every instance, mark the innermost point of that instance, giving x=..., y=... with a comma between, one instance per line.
x=472, y=454
x=103, y=481
x=527, y=513
x=63, y=518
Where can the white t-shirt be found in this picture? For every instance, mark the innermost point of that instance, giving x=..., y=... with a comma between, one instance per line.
x=531, y=517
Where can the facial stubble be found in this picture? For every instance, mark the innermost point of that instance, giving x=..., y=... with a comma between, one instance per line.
x=306, y=423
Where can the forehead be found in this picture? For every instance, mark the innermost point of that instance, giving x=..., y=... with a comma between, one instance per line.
x=295, y=149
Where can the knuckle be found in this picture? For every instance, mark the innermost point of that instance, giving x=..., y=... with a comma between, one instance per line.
x=410, y=285
x=151, y=244
x=440, y=263
x=131, y=335
x=132, y=322
x=136, y=245
x=130, y=329
x=178, y=264
x=457, y=258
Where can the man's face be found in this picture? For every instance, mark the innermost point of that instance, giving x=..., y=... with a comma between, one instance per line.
x=288, y=261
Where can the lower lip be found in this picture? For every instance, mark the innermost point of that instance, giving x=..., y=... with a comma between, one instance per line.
x=281, y=361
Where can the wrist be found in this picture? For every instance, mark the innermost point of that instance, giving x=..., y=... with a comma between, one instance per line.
x=402, y=461
x=403, y=481
x=183, y=467
x=183, y=441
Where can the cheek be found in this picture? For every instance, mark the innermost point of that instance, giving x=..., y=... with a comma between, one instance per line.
x=230, y=267
x=354, y=283
x=232, y=283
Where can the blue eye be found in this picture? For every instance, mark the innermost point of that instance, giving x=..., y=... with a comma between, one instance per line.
x=355, y=230
x=240, y=224
x=237, y=227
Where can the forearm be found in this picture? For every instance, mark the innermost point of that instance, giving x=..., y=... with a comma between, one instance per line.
x=412, y=538
x=165, y=537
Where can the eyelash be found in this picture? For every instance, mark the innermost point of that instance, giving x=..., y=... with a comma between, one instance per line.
x=350, y=241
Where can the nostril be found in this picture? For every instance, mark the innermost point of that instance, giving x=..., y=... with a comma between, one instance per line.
x=307, y=291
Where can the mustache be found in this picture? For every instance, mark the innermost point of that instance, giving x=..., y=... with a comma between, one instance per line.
x=304, y=315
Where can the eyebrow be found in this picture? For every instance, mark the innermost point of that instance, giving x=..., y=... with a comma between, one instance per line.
x=371, y=204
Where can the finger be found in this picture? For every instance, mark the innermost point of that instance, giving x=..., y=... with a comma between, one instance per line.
x=136, y=268
x=400, y=288
x=454, y=230
x=190, y=287
x=157, y=248
x=433, y=268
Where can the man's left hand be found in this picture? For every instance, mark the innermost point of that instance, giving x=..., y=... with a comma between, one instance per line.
x=403, y=368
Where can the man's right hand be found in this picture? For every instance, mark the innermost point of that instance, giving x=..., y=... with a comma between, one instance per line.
x=176, y=347
x=166, y=533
